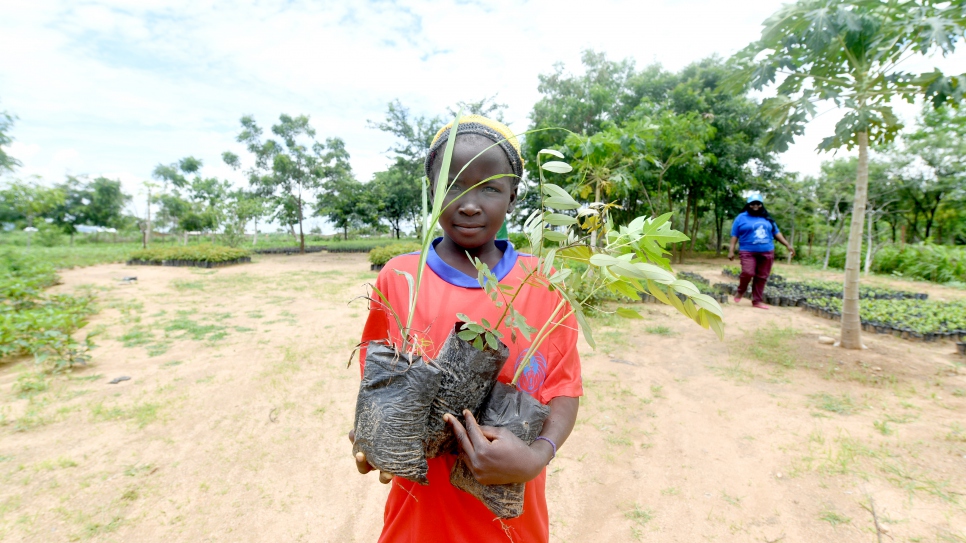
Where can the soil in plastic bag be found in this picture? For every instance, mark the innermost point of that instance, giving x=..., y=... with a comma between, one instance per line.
x=468, y=377
x=523, y=415
x=392, y=409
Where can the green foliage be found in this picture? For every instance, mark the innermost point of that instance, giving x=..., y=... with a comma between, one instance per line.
x=381, y=255
x=629, y=260
x=7, y=162
x=199, y=253
x=929, y=262
x=34, y=323
x=849, y=53
x=918, y=317
x=288, y=170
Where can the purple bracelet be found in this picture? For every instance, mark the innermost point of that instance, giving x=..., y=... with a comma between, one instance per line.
x=552, y=444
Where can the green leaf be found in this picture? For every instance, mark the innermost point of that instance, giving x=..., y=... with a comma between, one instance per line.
x=467, y=335
x=554, y=236
x=554, y=192
x=584, y=325
x=685, y=287
x=561, y=203
x=478, y=343
x=463, y=317
x=553, y=152
x=717, y=325
x=708, y=303
x=559, y=219
x=475, y=327
x=486, y=323
x=556, y=166
x=492, y=342
x=628, y=313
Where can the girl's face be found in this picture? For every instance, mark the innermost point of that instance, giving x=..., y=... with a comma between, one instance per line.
x=754, y=206
x=472, y=220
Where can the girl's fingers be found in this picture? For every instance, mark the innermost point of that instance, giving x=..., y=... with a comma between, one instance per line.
x=361, y=463
x=461, y=437
x=473, y=429
x=385, y=478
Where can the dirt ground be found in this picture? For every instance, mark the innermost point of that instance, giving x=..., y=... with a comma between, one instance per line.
x=232, y=425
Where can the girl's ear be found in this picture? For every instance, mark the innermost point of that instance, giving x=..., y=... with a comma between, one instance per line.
x=513, y=200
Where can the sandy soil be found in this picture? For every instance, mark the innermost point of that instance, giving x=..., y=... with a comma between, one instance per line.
x=232, y=425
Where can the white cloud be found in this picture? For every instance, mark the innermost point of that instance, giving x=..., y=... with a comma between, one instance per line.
x=129, y=84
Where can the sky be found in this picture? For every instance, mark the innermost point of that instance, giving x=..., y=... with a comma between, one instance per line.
x=116, y=87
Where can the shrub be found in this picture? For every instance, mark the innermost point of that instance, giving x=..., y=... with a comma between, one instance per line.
x=33, y=322
x=936, y=263
x=199, y=253
x=380, y=255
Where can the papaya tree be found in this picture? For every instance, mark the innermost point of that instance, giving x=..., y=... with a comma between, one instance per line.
x=851, y=53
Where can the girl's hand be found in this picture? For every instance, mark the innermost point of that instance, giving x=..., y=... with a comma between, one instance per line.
x=363, y=466
x=731, y=255
x=494, y=455
x=791, y=251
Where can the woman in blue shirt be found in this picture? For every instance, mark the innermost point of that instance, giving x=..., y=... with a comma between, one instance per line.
x=754, y=231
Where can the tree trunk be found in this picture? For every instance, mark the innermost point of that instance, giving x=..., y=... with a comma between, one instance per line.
x=718, y=226
x=811, y=239
x=851, y=337
x=301, y=232
x=694, y=228
x=792, y=242
x=868, y=249
x=255, y=235
x=828, y=250
x=345, y=232
x=147, y=234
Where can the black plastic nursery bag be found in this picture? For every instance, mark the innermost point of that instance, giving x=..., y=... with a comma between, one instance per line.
x=524, y=416
x=468, y=375
x=392, y=409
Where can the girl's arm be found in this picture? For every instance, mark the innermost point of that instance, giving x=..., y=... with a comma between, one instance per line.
x=781, y=238
x=496, y=456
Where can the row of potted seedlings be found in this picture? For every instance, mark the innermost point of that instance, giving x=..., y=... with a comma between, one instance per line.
x=190, y=263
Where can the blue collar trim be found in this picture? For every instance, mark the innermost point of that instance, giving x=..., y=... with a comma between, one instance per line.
x=457, y=278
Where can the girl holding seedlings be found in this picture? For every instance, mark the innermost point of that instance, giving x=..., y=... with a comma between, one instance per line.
x=483, y=177
x=754, y=230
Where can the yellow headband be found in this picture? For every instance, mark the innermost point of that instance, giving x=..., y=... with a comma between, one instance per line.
x=478, y=124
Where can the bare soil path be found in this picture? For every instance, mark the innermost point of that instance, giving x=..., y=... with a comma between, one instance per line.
x=232, y=426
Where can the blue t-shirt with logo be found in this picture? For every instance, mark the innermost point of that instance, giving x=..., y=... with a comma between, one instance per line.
x=755, y=234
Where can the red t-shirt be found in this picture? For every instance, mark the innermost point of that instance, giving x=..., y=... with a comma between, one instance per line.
x=440, y=512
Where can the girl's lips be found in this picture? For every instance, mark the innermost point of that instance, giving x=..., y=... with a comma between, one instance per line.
x=468, y=228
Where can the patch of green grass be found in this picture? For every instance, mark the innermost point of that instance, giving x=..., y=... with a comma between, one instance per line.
x=770, y=345
x=85, y=377
x=193, y=329
x=883, y=427
x=171, y=363
x=181, y=284
x=959, y=393
x=659, y=330
x=30, y=384
x=956, y=433
x=670, y=491
x=639, y=515
x=243, y=329
x=136, y=337
x=656, y=391
x=159, y=348
x=254, y=314
x=841, y=404
x=834, y=518
x=733, y=500
x=141, y=413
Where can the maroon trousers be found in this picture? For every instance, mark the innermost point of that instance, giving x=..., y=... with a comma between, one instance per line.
x=755, y=266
